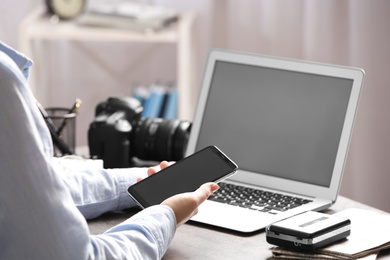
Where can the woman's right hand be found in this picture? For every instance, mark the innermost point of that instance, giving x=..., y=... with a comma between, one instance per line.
x=185, y=205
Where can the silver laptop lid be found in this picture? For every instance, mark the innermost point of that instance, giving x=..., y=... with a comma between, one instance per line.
x=287, y=123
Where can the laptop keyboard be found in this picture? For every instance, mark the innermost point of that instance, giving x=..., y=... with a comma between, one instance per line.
x=255, y=199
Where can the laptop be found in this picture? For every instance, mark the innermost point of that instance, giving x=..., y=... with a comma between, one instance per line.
x=286, y=123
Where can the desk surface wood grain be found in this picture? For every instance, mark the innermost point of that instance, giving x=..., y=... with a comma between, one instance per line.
x=197, y=241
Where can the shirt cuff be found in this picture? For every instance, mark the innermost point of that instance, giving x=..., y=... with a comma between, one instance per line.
x=157, y=223
x=127, y=177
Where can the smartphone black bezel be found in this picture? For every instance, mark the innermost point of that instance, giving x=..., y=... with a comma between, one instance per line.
x=138, y=198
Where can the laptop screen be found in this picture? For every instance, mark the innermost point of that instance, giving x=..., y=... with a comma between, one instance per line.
x=286, y=123
x=276, y=122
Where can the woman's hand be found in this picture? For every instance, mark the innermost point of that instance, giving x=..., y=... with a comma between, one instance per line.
x=154, y=169
x=185, y=205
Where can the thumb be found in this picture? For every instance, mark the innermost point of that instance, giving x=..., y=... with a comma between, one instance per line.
x=205, y=191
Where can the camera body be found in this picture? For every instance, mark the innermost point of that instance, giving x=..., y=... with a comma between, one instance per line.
x=119, y=133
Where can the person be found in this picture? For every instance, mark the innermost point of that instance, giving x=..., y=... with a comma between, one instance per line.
x=44, y=207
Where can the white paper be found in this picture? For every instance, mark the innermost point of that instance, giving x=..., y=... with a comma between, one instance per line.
x=369, y=229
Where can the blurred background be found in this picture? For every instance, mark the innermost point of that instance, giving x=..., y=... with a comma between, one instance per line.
x=350, y=32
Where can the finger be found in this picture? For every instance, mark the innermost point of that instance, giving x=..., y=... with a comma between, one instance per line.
x=165, y=164
x=152, y=170
x=205, y=191
x=202, y=194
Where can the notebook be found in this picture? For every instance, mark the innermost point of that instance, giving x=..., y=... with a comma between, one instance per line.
x=286, y=123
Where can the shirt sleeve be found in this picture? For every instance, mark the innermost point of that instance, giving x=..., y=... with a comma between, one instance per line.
x=146, y=235
x=96, y=190
x=38, y=216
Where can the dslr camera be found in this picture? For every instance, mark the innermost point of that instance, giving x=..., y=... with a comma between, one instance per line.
x=118, y=134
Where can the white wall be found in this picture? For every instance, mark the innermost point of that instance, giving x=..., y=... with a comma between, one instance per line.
x=353, y=33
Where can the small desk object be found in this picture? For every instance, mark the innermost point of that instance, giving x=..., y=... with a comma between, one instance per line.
x=196, y=241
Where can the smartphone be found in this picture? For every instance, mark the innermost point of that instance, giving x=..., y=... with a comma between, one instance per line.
x=207, y=165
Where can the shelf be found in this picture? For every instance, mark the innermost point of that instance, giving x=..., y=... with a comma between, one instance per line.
x=44, y=28
x=39, y=27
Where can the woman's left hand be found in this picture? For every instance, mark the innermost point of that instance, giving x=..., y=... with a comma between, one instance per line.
x=152, y=170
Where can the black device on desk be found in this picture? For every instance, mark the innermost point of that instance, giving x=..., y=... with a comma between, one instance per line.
x=119, y=133
x=208, y=165
x=308, y=231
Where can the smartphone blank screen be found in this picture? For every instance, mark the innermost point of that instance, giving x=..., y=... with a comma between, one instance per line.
x=207, y=165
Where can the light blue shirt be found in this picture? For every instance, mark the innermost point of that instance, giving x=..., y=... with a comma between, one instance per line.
x=43, y=208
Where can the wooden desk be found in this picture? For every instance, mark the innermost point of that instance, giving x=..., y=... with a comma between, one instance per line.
x=196, y=241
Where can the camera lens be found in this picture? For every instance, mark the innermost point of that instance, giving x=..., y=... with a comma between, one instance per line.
x=158, y=139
